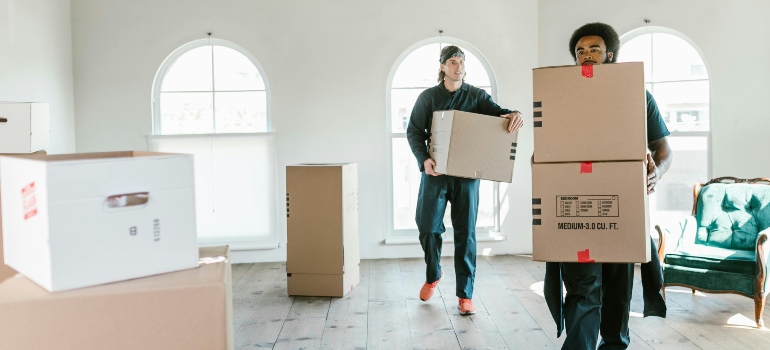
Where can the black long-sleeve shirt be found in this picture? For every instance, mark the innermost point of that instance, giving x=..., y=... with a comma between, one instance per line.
x=467, y=98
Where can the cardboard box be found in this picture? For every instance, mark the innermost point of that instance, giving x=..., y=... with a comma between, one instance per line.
x=602, y=118
x=5, y=270
x=190, y=309
x=585, y=212
x=79, y=220
x=472, y=145
x=322, y=253
x=23, y=127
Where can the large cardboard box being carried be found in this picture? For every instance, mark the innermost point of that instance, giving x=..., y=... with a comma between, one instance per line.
x=23, y=127
x=322, y=228
x=79, y=220
x=590, y=113
x=472, y=145
x=190, y=309
x=590, y=212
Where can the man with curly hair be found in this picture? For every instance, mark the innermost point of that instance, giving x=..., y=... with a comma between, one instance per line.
x=451, y=93
x=598, y=299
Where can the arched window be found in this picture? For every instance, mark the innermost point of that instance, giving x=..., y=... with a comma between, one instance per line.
x=210, y=86
x=210, y=98
x=676, y=75
x=414, y=71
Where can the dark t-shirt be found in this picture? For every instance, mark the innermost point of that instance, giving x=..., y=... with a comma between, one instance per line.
x=656, y=128
x=467, y=98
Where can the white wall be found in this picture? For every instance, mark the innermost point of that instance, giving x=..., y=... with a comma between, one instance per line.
x=327, y=63
x=732, y=36
x=36, y=62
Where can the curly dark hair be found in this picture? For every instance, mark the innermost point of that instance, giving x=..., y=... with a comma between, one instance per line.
x=605, y=31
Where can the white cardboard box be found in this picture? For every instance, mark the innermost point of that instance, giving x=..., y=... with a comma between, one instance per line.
x=23, y=127
x=79, y=220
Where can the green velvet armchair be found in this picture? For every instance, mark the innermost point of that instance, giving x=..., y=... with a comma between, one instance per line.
x=723, y=246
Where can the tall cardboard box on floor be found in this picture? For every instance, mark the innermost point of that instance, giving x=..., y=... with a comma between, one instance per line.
x=590, y=113
x=24, y=127
x=190, y=309
x=472, y=145
x=322, y=253
x=590, y=212
x=79, y=220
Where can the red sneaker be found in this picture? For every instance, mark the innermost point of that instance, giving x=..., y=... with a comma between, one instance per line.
x=428, y=288
x=466, y=307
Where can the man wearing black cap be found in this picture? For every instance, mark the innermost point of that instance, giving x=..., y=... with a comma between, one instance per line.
x=452, y=93
x=599, y=295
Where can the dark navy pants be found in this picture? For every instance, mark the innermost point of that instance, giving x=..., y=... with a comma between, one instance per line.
x=598, y=302
x=435, y=193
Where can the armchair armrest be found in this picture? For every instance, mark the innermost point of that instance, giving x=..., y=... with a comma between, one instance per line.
x=676, y=234
x=763, y=255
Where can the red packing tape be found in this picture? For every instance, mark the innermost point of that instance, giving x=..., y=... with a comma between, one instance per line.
x=586, y=167
x=588, y=71
x=584, y=256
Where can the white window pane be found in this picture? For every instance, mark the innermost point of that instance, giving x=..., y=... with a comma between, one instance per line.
x=241, y=111
x=401, y=104
x=420, y=68
x=234, y=71
x=190, y=72
x=406, y=186
x=186, y=113
x=234, y=185
x=675, y=59
x=638, y=50
x=684, y=105
x=673, y=194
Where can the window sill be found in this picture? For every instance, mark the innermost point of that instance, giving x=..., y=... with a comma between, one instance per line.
x=398, y=240
x=246, y=134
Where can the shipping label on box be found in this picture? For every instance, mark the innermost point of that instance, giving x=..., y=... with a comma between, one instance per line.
x=189, y=309
x=322, y=249
x=590, y=212
x=590, y=113
x=473, y=146
x=24, y=127
x=72, y=221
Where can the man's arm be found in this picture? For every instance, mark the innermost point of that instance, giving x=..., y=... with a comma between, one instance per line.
x=489, y=107
x=658, y=161
x=416, y=132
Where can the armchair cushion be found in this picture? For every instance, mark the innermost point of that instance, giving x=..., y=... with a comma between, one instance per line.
x=731, y=215
x=714, y=258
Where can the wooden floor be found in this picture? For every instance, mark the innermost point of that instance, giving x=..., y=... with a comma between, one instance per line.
x=384, y=312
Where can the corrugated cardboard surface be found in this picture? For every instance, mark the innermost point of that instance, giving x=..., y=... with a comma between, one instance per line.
x=604, y=212
x=602, y=118
x=322, y=225
x=472, y=145
x=320, y=285
x=190, y=309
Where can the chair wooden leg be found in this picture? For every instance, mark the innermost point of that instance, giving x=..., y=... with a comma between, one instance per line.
x=693, y=291
x=759, y=308
x=663, y=290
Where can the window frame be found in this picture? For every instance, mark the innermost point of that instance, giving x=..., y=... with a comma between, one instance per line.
x=664, y=30
x=160, y=75
x=494, y=231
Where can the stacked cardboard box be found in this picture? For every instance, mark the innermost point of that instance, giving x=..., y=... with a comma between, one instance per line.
x=472, y=145
x=322, y=229
x=189, y=309
x=79, y=220
x=589, y=175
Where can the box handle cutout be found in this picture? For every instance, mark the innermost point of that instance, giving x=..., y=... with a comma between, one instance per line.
x=128, y=200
